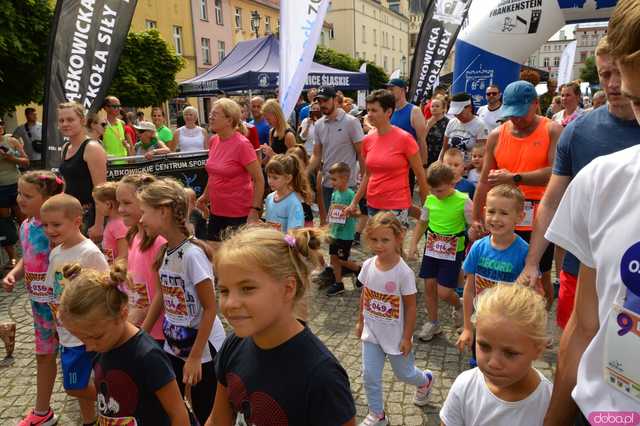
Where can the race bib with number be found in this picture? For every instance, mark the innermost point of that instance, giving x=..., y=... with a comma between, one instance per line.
x=381, y=306
x=116, y=421
x=337, y=214
x=483, y=283
x=529, y=210
x=622, y=345
x=37, y=288
x=444, y=247
x=275, y=225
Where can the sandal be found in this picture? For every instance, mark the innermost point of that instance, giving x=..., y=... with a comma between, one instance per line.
x=8, y=336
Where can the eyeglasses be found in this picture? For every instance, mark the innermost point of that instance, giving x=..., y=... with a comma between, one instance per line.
x=492, y=93
x=114, y=106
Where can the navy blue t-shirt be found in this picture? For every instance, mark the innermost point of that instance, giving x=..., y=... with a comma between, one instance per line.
x=466, y=187
x=594, y=134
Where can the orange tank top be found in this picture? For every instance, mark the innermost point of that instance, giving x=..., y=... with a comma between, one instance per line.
x=521, y=155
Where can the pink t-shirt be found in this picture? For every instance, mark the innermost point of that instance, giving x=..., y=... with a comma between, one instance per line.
x=114, y=231
x=144, y=279
x=230, y=185
x=387, y=161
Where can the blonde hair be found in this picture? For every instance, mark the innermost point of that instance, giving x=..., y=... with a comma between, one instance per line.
x=439, y=173
x=65, y=203
x=105, y=192
x=190, y=109
x=624, y=27
x=521, y=306
x=272, y=106
x=93, y=295
x=300, y=153
x=75, y=107
x=46, y=182
x=453, y=152
x=289, y=164
x=603, y=47
x=232, y=111
x=267, y=249
x=510, y=192
x=137, y=181
x=385, y=220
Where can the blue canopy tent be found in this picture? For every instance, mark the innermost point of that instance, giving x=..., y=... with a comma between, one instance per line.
x=255, y=65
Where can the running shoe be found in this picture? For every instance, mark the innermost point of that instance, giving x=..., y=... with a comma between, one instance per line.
x=429, y=330
x=422, y=392
x=375, y=420
x=33, y=419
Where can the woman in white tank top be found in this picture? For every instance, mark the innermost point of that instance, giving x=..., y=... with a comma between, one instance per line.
x=189, y=137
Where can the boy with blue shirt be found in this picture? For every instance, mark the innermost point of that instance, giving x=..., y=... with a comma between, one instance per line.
x=496, y=258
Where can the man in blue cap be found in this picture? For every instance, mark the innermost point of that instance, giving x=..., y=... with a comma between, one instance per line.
x=520, y=152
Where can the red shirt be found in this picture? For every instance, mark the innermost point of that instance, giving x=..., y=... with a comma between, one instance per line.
x=426, y=110
x=253, y=135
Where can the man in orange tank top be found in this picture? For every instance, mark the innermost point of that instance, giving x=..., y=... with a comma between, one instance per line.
x=520, y=152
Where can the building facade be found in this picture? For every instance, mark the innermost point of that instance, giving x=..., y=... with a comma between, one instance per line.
x=254, y=18
x=548, y=56
x=372, y=31
x=212, y=31
x=588, y=37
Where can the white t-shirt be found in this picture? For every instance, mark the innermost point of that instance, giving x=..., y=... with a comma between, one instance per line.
x=471, y=403
x=463, y=136
x=473, y=176
x=559, y=116
x=88, y=255
x=182, y=268
x=490, y=118
x=597, y=221
x=382, y=303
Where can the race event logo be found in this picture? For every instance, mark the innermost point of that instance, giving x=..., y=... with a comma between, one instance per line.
x=450, y=11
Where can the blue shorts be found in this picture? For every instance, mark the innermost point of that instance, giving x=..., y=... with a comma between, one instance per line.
x=446, y=272
x=77, y=364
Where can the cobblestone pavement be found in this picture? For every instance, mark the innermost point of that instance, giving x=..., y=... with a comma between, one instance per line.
x=332, y=319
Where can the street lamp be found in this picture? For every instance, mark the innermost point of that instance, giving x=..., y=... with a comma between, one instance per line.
x=255, y=22
x=403, y=64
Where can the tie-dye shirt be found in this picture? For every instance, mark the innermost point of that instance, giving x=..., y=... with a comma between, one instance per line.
x=35, y=255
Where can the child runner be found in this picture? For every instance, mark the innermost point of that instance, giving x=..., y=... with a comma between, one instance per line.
x=272, y=369
x=302, y=155
x=454, y=158
x=142, y=253
x=62, y=218
x=342, y=228
x=34, y=188
x=477, y=159
x=283, y=207
x=496, y=258
x=445, y=216
x=192, y=331
x=133, y=377
x=388, y=317
x=114, y=239
x=505, y=389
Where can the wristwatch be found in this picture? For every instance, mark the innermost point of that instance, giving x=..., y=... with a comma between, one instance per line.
x=425, y=166
x=517, y=178
x=258, y=209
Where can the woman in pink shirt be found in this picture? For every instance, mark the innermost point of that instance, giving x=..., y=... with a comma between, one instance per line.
x=236, y=184
x=388, y=153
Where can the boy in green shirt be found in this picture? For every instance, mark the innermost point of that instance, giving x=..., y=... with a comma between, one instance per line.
x=342, y=227
x=445, y=217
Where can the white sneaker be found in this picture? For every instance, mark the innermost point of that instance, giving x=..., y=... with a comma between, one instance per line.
x=374, y=420
x=422, y=392
x=457, y=316
x=429, y=330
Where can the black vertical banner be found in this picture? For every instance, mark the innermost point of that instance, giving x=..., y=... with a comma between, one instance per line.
x=440, y=27
x=87, y=38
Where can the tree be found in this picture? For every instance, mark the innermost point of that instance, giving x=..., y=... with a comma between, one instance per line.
x=589, y=71
x=146, y=74
x=329, y=57
x=24, y=40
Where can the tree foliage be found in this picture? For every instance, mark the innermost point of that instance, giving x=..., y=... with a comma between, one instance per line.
x=146, y=74
x=589, y=71
x=24, y=39
x=329, y=57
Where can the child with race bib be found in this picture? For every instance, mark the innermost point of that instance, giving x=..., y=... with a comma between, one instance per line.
x=283, y=207
x=387, y=317
x=272, y=369
x=192, y=331
x=497, y=258
x=34, y=188
x=142, y=253
x=62, y=219
x=505, y=389
x=114, y=241
x=133, y=377
x=444, y=219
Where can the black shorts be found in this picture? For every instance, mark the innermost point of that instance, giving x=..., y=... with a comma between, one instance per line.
x=8, y=195
x=340, y=248
x=219, y=225
x=547, y=256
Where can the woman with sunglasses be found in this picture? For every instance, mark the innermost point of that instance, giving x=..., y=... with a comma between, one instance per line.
x=12, y=156
x=95, y=125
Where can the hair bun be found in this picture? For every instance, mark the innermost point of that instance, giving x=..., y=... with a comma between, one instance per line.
x=71, y=270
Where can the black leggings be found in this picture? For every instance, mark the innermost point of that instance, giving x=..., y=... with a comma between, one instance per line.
x=204, y=393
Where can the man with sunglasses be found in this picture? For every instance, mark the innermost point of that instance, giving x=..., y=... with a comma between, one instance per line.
x=490, y=113
x=115, y=139
x=31, y=135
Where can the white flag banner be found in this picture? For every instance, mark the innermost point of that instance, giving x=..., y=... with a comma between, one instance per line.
x=300, y=26
x=565, y=71
x=395, y=74
x=362, y=94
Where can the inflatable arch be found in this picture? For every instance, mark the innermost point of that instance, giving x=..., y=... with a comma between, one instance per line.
x=501, y=34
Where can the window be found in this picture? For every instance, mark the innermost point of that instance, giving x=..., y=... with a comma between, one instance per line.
x=204, y=14
x=218, y=6
x=205, y=47
x=583, y=56
x=393, y=63
x=532, y=61
x=364, y=55
x=385, y=63
x=375, y=37
x=332, y=34
x=546, y=63
x=393, y=42
x=375, y=57
x=364, y=34
x=556, y=61
x=148, y=24
x=267, y=25
x=221, y=53
x=177, y=39
x=238, y=18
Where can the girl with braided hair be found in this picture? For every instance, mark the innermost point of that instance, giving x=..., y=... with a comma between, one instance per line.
x=192, y=331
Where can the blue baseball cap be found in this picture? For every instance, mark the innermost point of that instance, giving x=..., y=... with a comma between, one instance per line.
x=517, y=98
x=398, y=82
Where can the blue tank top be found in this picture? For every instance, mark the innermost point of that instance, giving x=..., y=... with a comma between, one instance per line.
x=402, y=118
